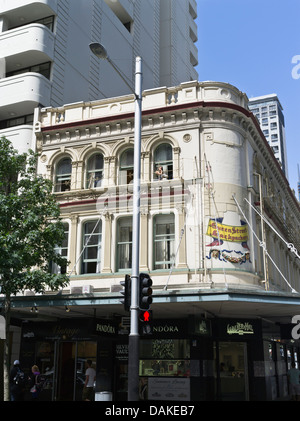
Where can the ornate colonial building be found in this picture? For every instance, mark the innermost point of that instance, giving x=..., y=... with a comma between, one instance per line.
x=219, y=234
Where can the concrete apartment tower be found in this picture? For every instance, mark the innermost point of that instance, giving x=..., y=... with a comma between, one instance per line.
x=269, y=111
x=45, y=58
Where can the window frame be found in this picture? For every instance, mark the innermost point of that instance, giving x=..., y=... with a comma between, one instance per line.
x=65, y=177
x=124, y=170
x=126, y=221
x=166, y=164
x=167, y=238
x=94, y=171
x=63, y=251
x=87, y=246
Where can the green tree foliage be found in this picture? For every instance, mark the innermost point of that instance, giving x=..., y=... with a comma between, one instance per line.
x=29, y=229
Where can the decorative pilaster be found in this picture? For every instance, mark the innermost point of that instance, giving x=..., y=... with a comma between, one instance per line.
x=182, y=263
x=72, y=244
x=144, y=240
x=106, y=267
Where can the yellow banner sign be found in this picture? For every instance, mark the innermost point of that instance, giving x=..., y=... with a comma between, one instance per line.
x=236, y=234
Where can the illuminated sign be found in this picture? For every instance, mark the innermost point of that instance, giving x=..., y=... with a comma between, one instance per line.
x=240, y=328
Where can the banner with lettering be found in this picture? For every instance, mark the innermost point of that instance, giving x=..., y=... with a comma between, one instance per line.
x=236, y=234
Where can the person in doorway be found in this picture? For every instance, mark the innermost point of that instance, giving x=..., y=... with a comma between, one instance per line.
x=90, y=377
x=17, y=382
x=294, y=380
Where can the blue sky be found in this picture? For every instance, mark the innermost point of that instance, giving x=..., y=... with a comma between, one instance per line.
x=250, y=44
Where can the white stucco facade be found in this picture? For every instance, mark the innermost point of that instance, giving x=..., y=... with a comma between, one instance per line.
x=198, y=229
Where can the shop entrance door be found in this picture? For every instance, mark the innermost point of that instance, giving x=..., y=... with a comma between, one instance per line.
x=231, y=372
x=70, y=367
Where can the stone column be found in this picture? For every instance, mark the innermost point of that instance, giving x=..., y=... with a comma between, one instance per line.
x=73, y=244
x=106, y=240
x=144, y=240
x=182, y=263
x=176, y=172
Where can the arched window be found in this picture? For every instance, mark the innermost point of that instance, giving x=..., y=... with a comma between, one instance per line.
x=163, y=162
x=92, y=238
x=94, y=171
x=63, y=175
x=126, y=166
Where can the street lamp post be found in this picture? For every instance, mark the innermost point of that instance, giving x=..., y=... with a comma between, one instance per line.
x=133, y=350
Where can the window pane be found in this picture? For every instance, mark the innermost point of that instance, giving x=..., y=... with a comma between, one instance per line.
x=91, y=260
x=164, y=239
x=163, y=162
x=124, y=246
x=126, y=167
x=127, y=158
x=94, y=172
x=63, y=251
x=63, y=175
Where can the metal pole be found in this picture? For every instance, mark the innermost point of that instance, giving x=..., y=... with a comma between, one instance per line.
x=133, y=351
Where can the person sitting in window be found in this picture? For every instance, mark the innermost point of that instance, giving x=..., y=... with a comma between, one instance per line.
x=160, y=173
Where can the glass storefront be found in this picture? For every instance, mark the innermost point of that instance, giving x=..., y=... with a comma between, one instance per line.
x=64, y=365
x=231, y=374
x=165, y=357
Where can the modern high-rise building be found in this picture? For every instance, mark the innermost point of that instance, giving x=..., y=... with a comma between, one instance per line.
x=268, y=110
x=45, y=58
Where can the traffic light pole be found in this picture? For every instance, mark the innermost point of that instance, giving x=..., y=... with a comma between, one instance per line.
x=133, y=350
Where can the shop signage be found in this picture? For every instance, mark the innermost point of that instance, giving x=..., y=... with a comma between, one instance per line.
x=62, y=330
x=170, y=328
x=237, y=328
x=240, y=328
x=105, y=327
x=200, y=327
x=172, y=389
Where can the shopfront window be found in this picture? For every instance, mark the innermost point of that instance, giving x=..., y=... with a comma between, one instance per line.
x=231, y=375
x=165, y=357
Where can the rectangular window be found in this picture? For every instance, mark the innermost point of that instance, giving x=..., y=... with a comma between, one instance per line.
x=43, y=69
x=17, y=121
x=164, y=241
x=124, y=244
x=92, y=237
x=63, y=251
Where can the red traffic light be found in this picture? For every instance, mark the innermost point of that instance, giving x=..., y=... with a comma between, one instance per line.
x=145, y=316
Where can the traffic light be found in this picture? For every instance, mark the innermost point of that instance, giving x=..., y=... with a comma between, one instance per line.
x=145, y=318
x=126, y=292
x=145, y=291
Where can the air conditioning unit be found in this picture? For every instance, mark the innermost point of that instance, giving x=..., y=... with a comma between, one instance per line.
x=87, y=289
